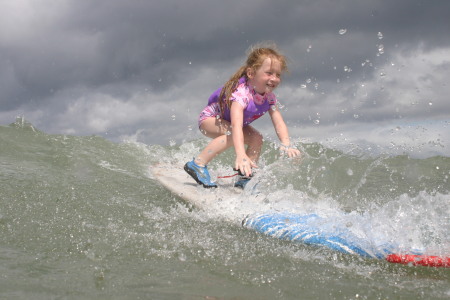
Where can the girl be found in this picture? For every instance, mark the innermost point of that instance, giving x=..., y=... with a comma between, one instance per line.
x=245, y=97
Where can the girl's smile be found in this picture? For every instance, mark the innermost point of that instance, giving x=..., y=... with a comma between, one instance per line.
x=267, y=77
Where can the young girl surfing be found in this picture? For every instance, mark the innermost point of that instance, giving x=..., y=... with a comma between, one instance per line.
x=245, y=97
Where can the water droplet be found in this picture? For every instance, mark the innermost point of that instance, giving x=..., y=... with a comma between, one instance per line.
x=303, y=86
x=172, y=143
x=380, y=35
x=190, y=127
x=342, y=31
x=308, y=80
x=309, y=48
x=317, y=122
x=380, y=49
x=228, y=132
x=366, y=62
x=430, y=103
x=182, y=257
x=356, y=116
x=218, y=117
x=349, y=172
x=174, y=117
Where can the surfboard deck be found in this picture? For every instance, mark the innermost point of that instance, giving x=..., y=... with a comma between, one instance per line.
x=176, y=180
x=309, y=229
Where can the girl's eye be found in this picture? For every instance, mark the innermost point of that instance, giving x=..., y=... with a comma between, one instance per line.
x=276, y=74
x=271, y=73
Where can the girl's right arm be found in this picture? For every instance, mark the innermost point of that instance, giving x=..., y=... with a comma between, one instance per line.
x=243, y=162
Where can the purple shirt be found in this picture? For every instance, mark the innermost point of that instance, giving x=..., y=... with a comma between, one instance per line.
x=254, y=104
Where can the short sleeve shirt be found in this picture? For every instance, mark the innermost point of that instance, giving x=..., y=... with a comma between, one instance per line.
x=255, y=105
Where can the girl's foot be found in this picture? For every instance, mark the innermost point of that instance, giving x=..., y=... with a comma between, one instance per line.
x=242, y=182
x=200, y=174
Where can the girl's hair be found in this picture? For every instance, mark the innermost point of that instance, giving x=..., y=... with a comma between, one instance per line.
x=256, y=56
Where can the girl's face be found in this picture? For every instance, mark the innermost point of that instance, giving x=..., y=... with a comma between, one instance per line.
x=267, y=77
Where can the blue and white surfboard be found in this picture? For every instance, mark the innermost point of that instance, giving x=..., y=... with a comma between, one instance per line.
x=314, y=230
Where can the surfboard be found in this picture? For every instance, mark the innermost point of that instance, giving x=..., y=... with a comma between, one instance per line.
x=176, y=180
x=314, y=230
x=419, y=260
x=308, y=229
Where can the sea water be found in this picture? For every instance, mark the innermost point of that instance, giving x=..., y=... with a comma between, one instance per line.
x=82, y=217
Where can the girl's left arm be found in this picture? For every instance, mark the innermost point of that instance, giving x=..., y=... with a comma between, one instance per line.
x=282, y=132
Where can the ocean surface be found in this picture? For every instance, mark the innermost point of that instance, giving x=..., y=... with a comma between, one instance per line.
x=82, y=217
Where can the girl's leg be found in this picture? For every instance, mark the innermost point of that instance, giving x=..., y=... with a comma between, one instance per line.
x=254, y=140
x=220, y=131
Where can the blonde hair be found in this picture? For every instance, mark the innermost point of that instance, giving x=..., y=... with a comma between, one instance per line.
x=256, y=56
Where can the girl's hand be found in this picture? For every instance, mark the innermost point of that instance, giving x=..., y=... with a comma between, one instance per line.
x=289, y=151
x=245, y=165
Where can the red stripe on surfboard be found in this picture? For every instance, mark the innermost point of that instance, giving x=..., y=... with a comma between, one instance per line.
x=419, y=260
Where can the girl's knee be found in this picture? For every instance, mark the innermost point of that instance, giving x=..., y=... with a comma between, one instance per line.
x=259, y=138
x=212, y=128
x=254, y=138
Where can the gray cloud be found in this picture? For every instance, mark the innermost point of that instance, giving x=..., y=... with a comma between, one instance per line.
x=118, y=67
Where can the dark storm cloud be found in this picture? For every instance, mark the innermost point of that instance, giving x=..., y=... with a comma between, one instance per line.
x=85, y=64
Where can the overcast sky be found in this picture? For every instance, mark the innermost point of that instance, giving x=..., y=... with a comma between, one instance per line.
x=146, y=68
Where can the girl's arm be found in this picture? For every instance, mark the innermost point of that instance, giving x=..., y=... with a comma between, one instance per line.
x=243, y=162
x=282, y=132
